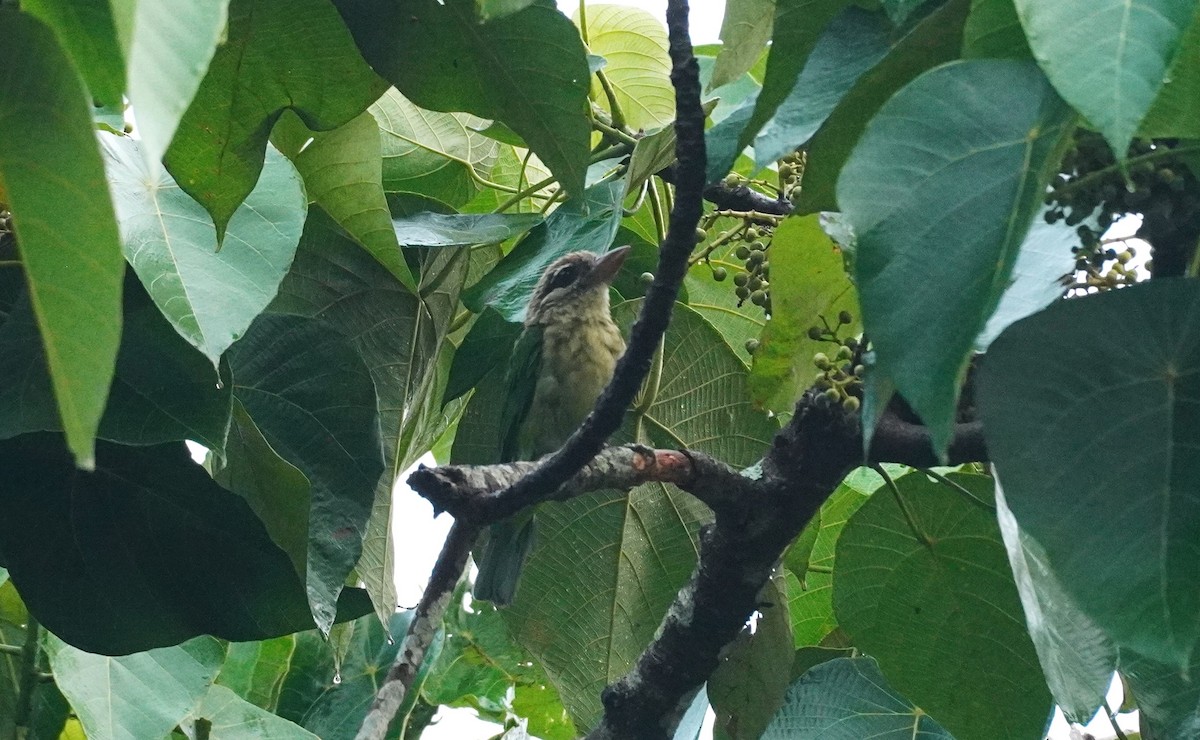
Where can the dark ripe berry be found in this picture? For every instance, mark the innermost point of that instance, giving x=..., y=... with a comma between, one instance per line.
x=742, y=292
x=719, y=274
x=844, y=317
x=751, y=345
x=740, y=279
x=742, y=252
x=758, y=298
x=815, y=333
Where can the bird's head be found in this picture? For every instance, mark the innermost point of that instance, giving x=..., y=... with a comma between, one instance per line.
x=574, y=286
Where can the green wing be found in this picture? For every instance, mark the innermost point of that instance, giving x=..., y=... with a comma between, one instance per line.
x=521, y=381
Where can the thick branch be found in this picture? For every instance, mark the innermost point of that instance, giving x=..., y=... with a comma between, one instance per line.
x=421, y=630
x=475, y=492
x=899, y=441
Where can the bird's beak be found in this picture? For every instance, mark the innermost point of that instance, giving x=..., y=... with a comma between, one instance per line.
x=606, y=267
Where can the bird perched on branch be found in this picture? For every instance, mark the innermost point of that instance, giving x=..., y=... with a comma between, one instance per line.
x=562, y=361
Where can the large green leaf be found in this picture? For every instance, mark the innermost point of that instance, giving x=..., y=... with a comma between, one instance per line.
x=745, y=31
x=923, y=585
x=606, y=566
x=798, y=25
x=853, y=42
x=587, y=223
x=398, y=336
x=193, y=558
x=438, y=155
x=1176, y=110
x=634, y=45
x=210, y=295
x=342, y=173
x=849, y=699
x=808, y=284
x=936, y=39
x=748, y=686
x=311, y=395
x=167, y=49
x=330, y=698
x=86, y=32
x=163, y=390
x=527, y=70
x=1107, y=58
x=1109, y=423
x=135, y=696
x=284, y=54
x=1077, y=658
x=277, y=491
x=940, y=191
x=53, y=178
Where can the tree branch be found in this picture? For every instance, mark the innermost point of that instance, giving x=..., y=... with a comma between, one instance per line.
x=421, y=630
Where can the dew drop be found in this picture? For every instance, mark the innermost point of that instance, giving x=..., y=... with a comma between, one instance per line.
x=391, y=640
x=337, y=678
x=220, y=384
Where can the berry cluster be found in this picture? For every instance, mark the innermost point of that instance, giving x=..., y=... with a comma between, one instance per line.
x=839, y=378
x=1093, y=190
x=6, y=225
x=749, y=240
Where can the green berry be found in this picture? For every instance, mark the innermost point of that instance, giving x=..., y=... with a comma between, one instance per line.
x=701, y=234
x=719, y=274
x=814, y=333
x=860, y=370
x=751, y=345
x=742, y=252
x=646, y=278
x=755, y=282
x=750, y=234
x=757, y=256
x=740, y=279
x=844, y=353
x=758, y=298
x=742, y=292
x=821, y=360
x=832, y=394
x=844, y=317
x=851, y=404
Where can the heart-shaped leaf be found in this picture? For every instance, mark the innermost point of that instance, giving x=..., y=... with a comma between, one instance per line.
x=140, y=695
x=923, y=585
x=849, y=699
x=177, y=528
x=1109, y=423
x=940, y=191
x=293, y=54
x=209, y=294
x=461, y=230
x=311, y=395
x=1107, y=58
x=745, y=31
x=634, y=46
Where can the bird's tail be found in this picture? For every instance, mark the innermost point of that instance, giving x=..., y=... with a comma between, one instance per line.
x=503, y=556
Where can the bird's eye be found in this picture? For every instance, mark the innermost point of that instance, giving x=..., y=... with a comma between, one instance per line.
x=563, y=277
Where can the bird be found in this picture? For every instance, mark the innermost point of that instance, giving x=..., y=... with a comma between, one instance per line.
x=563, y=359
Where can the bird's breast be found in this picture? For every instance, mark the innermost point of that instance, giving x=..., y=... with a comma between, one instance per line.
x=578, y=358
